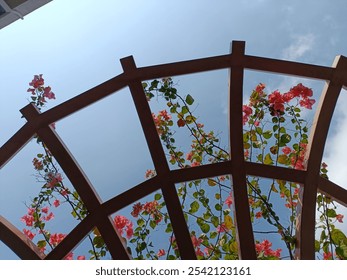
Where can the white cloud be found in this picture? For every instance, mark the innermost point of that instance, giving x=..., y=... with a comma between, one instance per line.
x=335, y=151
x=301, y=45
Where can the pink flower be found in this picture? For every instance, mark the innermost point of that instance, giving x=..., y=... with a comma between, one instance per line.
x=81, y=257
x=164, y=114
x=265, y=248
x=307, y=103
x=276, y=101
x=339, y=218
x=56, y=203
x=28, y=220
x=195, y=163
x=129, y=231
x=48, y=93
x=301, y=90
x=49, y=217
x=196, y=241
x=122, y=223
x=222, y=228
x=45, y=209
x=160, y=253
x=69, y=256
x=37, y=81
x=56, y=238
x=247, y=111
x=54, y=179
x=29, y=234
x=189, y=156
x=229, y=200
x=286, y=150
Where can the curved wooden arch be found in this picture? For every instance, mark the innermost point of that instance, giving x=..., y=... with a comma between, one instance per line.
x=99, y=213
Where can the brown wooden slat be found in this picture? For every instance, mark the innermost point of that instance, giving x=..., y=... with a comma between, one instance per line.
x=19, y=243
x=173, y=204
x=131, y=196
x=15, y=143
x=238, y=169
x=288, y=67
x=275, y=172
x=332, y=190
x=314, y=154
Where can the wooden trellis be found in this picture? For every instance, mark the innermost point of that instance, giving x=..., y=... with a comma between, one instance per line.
x=99, y=212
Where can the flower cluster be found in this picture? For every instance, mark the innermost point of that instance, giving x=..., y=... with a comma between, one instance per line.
x=123, y=224
x=264, y=250
x=40, y=92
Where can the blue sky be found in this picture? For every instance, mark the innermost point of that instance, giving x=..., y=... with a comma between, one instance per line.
x=78, y=44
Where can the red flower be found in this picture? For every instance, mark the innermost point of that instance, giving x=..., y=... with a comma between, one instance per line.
x=307, y=103
x=276, y=101
x=160, y=253
x=327, y=256
x=258, y=215
x=181, y=123
x=136, y=210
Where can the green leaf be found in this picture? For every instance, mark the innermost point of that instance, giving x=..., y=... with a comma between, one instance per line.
x=218, y=207
x=285, y=138
x=157, y=196
x=140, y=222
x=41, y=244
x=205, y=228
x=194, y=207
x=331, y=213
x=338, y=236
x=152, y=224
x=267, y=134
x=316, y=245
x=211, y=182
x=282, y=159
x=213, y=234
x=215, y=221
x=268, y=160
x=184, y=110
x=189, y=99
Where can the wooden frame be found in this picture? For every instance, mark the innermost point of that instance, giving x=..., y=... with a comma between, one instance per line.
x=99, y=213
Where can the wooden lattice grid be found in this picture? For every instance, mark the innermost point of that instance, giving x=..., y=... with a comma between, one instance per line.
x=100, y=212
